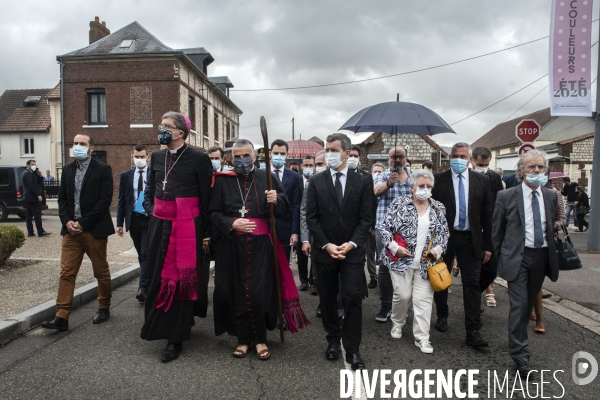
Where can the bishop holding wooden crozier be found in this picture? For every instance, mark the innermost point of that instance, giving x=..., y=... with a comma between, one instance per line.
x=245, y=296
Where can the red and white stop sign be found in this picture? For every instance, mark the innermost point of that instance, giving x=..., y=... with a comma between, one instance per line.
x=525, y=148
x=527, y=131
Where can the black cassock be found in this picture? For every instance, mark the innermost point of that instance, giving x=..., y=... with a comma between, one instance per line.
x=245, y=296
x=190, y=176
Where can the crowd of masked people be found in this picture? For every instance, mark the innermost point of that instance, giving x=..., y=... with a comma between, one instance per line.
x=184, y=208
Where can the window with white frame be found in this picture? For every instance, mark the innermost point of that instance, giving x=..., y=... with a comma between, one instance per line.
x=28, y=147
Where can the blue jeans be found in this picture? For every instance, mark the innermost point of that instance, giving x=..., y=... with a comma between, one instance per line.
x=571, y=206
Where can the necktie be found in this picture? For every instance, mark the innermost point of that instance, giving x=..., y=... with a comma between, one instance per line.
x=538, y=233
x=140, y=187
x=278, y=174
x=462, y=204
x=338, y=187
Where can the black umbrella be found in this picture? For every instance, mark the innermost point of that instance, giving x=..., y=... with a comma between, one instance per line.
x=397, y=117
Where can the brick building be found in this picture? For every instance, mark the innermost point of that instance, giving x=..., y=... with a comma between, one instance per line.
x=575, y=157
x=117, y=89
x=419, y=148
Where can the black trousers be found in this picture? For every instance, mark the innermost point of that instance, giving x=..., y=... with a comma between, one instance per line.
x=34, y=211
x=305, y=275
x=582, y=222
x=139, y=234
x=460, y=245
x=352, y=276
x=522, y=293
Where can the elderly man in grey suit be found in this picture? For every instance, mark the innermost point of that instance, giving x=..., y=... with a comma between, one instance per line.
x=522, y=234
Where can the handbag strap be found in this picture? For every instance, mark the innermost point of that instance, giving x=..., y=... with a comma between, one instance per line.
x=433, y=234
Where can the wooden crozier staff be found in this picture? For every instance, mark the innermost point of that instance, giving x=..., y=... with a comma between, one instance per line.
x=265, y=135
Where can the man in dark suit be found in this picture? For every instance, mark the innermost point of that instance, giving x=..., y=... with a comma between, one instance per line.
x=288, y=228
x=480, y=160
x=523, y=225
x=306, y=277
x=33, y=197
x=339, y=216
x=131, y=211
x=85, y=194
x=354, y=166
x=468, y=201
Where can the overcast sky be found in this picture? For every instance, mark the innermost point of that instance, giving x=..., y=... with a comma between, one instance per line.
x=274, y=44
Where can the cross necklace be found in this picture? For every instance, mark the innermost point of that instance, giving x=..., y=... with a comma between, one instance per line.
x=243, y=211
x=169, y=171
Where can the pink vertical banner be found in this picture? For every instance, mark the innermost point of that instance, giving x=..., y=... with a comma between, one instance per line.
x=570, y=58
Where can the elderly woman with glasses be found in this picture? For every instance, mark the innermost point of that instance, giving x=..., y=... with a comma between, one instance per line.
x=409, y=226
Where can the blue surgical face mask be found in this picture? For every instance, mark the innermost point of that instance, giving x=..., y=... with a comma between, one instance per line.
x=536, y=180
x=278, y=160
x=216, y=164
x=458, y=165
x=80, y=152
x=164, y=136
x=307, y=171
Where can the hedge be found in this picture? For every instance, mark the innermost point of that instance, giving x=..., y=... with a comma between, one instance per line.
x=11, y=238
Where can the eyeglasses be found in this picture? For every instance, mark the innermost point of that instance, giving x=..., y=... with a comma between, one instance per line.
x=168, y=127
x=532, y=167
x=425, y=186
x=397, y=157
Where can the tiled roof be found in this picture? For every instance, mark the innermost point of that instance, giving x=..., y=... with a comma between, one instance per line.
x=503, y=135
x=16, y=118
x=426, y=138
x=54, y=93
x=143, y=42
x=577, y=139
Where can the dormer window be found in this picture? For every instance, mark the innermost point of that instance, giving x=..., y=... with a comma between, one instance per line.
x=126, y=44
x=31, y=101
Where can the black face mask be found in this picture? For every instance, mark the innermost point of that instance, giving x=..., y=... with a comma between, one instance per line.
x=243, y=166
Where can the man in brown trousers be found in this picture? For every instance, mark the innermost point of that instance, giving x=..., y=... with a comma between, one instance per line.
x=85, y=194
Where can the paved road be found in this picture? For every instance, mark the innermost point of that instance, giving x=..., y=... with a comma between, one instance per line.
x=110, y=361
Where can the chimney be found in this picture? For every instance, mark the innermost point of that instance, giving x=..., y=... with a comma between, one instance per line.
x=98, y=30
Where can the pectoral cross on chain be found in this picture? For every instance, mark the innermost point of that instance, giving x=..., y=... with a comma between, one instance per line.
x=243, y=211
x=164, y=184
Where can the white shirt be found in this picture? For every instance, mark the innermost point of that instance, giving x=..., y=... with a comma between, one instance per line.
x=305, y=182
x=529, y=232
x=279, y=175
x=342, y=178
x=136, y=178
x=422, y=231
x=455, y=181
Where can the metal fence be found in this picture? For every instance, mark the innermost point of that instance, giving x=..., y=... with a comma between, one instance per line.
x=51, y=188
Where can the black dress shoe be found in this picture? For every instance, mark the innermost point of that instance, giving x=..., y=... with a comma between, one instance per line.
x=101, y=316
x=442, y=324
x=57, y=323
x=172, y=352
x=372, y=284
x=141, y=296
x=333, y=351
x=474, y=339
x=44, y=234
x=523, y=369
x=303, y=287
x=319, y=314
x=355, y=361
x=313, y=290
x=31, y=235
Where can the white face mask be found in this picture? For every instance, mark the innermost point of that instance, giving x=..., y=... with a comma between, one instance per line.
x=480, y=170
x=353, y=162
x=320, y=169
x=33, y=168
x=140, y=163
x=334, y=160
x=423, y=193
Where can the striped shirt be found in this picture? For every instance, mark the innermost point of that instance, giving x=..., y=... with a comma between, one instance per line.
x=384, y=201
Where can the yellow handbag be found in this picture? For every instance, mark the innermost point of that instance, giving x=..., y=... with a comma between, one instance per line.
x=437, y=271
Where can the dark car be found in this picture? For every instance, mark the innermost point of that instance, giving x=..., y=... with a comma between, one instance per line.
x=11, y=192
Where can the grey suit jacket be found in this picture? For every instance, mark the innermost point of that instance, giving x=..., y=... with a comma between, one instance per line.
x=508, y=232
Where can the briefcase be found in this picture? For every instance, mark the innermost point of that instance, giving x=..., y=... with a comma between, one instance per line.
x=566, y=254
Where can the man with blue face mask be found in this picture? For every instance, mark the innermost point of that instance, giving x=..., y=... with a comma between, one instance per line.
x=467, y=196
x=216, y=154
x=306, y=279
x=523, y=225
x=288, y=228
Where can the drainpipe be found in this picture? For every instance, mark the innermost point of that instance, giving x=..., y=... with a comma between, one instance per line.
x=62, y=115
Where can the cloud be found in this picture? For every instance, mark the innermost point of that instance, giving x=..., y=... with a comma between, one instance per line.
x=270, y=44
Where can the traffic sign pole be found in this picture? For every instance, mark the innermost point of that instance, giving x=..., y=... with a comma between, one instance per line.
x=594, y=229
